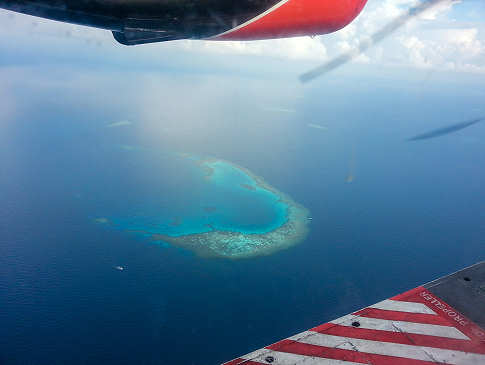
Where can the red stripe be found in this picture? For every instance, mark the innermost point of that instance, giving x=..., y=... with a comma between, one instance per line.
x=242, y=362
x=406, y=296
x=402, y=338
x=403, y=316
x=435, y=303
x=322, y=328
x=341, y=354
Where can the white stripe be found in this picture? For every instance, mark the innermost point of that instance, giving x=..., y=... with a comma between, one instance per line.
x=285, y=358
x=273, y=8
x=401, y=326
x=396, y=305
x=393, y=349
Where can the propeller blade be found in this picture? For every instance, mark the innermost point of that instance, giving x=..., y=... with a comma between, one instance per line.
x=375, y=38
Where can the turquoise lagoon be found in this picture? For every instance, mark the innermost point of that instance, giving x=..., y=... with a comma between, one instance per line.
x=210, y=206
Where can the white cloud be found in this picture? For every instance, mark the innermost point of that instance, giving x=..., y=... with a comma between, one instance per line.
x=291, y=48
x=415, y=48
x=438, y=10
x=432, y=40
x=464, y=40
x=448, y=49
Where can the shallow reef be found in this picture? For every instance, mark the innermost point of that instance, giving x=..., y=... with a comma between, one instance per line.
x=235, y=244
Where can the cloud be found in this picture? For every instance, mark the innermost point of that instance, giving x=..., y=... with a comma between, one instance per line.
x=433, y=40
x=438, y=10
x=449, y=49
x=297, y=48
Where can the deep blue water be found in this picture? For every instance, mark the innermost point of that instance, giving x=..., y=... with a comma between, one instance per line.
x=177, y=196
x=415, y=211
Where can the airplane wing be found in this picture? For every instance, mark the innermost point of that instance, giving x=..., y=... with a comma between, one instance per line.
x=442, y=322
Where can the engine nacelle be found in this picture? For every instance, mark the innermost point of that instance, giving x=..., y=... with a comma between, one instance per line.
x=291, y=18
x=136, y=22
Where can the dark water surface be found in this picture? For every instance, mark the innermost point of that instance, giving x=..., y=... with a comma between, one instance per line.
x=412, y=213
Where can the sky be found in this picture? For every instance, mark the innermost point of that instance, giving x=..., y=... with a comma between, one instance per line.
x=257, y=79
x=448, y=37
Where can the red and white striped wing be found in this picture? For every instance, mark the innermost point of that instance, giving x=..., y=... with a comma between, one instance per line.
x=413, y=328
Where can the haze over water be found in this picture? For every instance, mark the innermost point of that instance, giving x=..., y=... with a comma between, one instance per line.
x=411, y=213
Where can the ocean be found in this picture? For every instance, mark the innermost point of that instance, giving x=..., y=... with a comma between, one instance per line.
x=84, y=141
